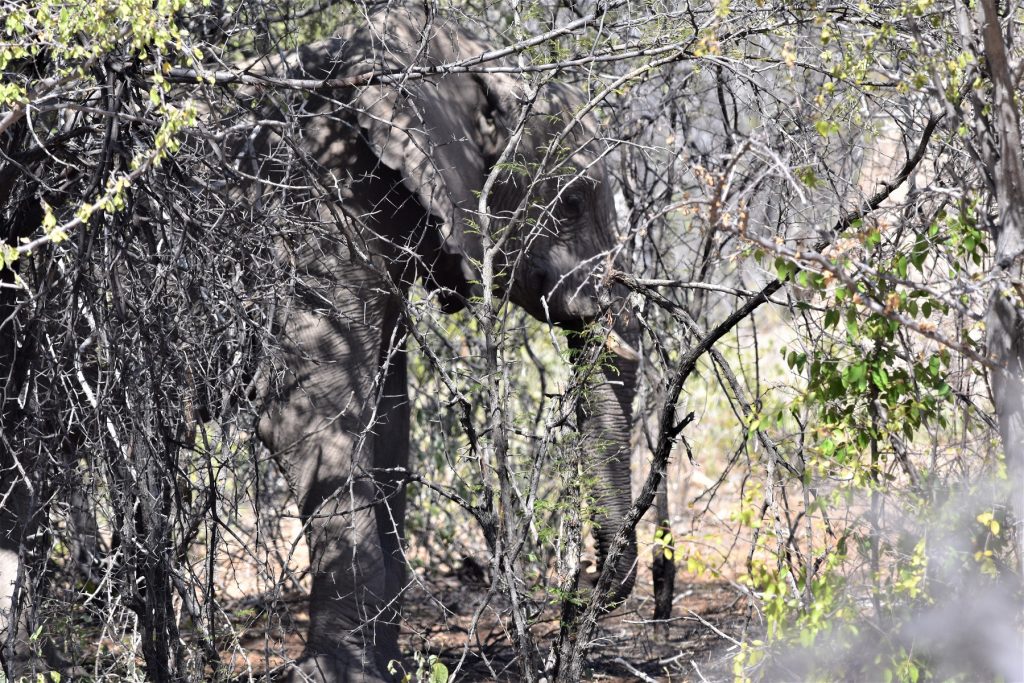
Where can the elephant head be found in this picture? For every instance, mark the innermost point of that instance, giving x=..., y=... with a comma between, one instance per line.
x=550, y=198
x=427, y=153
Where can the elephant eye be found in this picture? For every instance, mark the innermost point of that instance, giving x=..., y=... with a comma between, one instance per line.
x=571, y=208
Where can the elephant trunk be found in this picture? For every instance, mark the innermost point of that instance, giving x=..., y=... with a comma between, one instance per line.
x=605, y=416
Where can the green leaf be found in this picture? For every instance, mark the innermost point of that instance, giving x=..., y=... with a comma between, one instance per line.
x=826, y=128
x=784, y=269
x=856, y=373
x=831, y=318
x=873, y=239
x=806, y=176
x=438, y=673
x=8, y=255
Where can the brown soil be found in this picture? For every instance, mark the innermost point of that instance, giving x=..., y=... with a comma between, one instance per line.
x=695, y=645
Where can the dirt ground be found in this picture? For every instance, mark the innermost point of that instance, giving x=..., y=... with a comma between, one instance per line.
x=628, y=646
x=709, y=618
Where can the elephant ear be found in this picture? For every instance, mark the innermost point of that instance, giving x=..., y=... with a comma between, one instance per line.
x=440, y=133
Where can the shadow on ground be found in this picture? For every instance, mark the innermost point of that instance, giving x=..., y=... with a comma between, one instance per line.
x=697, y=644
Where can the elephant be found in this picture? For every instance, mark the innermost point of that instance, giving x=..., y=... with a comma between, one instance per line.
x=412, y=173
x=408, y=161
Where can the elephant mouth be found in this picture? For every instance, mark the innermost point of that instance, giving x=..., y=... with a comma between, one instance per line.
x=613, y=341
x=567, y=302
x=578, y=312
x=617, y=345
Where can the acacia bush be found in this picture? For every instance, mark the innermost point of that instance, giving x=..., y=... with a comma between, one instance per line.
x=818, y=225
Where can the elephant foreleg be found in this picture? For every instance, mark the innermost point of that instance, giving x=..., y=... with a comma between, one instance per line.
x=322, y=425
x=391, y=460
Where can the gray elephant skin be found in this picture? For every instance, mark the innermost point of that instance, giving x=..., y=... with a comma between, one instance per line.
x=400, y=167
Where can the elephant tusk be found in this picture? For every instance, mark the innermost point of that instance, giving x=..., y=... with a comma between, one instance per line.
x=620, y=348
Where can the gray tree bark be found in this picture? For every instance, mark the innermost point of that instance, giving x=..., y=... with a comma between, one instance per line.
x=1005, y=321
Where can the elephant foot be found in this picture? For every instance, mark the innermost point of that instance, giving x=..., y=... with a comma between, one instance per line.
x=325, y=668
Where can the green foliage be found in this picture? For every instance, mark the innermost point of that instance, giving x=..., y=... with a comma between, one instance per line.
x=74, y=37
x=868, y=399
x=663, y=540
x=70, y=42
x=429, y=669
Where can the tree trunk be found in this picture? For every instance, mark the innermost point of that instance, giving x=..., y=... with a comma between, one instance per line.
x=663, y=569
x=1005, y=321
